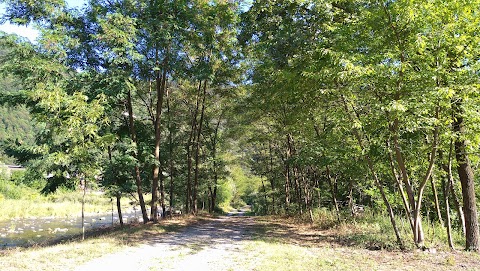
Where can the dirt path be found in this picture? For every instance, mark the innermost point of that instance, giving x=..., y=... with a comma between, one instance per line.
x=246, y=243
x=209, y=245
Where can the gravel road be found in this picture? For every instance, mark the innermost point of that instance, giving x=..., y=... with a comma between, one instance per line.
x=215, y=244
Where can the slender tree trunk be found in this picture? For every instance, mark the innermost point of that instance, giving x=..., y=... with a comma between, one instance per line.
x=446, y=188
x=400, y=187
x=437, y=202
x=215, y=165
x=448, y=170
x=160, y=85
x=119, y=208
x=189, y=179
x=118, y=195
x=271, y=177
x=189, y=149
x=162, y=194
x=375, y=176
x=138, y=179
x=298, y=191
x=331, y=182
x=287, y=177
x=446, y=184
x=170, y=151
x=418, y=229
x=466, y=176
x=197, y=147
x=419, y=238
x=84, y=182
x=190, y=145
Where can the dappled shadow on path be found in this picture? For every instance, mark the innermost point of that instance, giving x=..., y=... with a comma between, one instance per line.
x=205, y=233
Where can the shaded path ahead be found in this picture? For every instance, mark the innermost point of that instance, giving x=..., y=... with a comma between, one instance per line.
x=214, y=244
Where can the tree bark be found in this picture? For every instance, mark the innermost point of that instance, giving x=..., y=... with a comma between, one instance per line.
x=189, y=149
x=138, y=179
x=466, y=176
x=160, y=86
x=170, y=151
x=197, y=148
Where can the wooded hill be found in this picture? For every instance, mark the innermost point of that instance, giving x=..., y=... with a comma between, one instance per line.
x=372, y=103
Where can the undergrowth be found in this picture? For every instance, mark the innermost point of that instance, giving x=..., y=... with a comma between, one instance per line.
x=374, y=231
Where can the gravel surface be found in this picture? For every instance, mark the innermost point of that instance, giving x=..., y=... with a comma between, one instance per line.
x=214, y=244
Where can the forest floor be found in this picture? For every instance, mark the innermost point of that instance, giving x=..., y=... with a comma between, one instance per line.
x=239, y=243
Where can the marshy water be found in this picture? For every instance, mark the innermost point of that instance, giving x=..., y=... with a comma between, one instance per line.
x=31, y=231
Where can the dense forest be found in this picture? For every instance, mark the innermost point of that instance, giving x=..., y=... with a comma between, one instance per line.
x=310, y=103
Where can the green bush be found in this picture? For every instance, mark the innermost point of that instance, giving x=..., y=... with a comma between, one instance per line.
x=9, y=190
x=30, y=178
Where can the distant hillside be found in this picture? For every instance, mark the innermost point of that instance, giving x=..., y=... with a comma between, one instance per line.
x=16, y=125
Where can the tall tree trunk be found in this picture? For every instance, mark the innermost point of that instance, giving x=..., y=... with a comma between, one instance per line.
x=213, y=193
x=448, y=170
x=190, y=146
x=465, y=174
x=160, y=86
x=133, y=135
x=189, y=149
x=197, y=148
x=170, y=151
x=419, y=238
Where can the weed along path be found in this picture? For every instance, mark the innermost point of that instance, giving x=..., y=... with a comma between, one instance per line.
x=247, y=243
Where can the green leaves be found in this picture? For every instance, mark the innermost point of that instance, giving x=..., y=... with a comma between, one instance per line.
x=23, y=12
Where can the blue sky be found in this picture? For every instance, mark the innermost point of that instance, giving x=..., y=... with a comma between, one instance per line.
x=29, y=32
